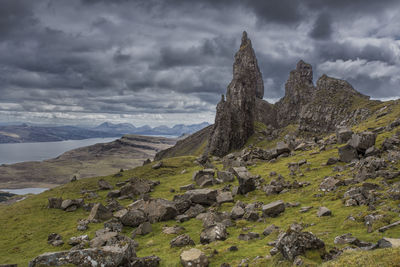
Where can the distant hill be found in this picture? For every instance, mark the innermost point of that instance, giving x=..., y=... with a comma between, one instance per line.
x=24, y=133
x=27, y=133
x=127, y=128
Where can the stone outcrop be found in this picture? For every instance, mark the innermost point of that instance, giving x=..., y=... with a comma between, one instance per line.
x=234, y=121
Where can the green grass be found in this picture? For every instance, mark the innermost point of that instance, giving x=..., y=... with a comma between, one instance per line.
x=26, y=224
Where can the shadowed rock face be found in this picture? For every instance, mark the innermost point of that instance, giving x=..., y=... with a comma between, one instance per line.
x=234, y=121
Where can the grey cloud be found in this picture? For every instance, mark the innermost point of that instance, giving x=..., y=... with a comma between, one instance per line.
x=322, y=28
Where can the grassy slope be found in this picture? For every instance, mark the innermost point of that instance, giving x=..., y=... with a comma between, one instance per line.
x=25, y=225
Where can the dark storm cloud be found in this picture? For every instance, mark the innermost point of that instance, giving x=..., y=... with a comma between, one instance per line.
x=322, y=28
x=60, y=59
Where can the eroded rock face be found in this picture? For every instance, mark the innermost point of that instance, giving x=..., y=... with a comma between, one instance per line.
x=234, y=121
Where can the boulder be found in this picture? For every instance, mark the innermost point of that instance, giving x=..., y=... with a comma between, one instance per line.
x=103, y=236
x=100, y=213
x=347, y=153
x=237, y=212
x=72, y=204
x=273, y=209
x=389, y=242
x=78, y=240
x=282, y=148
x=55, y=240
x=118, y=254
x=114, y=225
x=114, y=194
x=204, y=177
x=246, y=180
x=104, y=185
x=331, y=161
x=173, y=230
x=224, y=197
x=193, y=258
x=201, y=196
x=156, y=209
x=270, y=229
x=294, y=243
x=213, y=233
x=182, y=241
x=343, y=135
x=330, y=184
x=55, y=202
x=225, y=176
x=195, y=210
x=136, y=186
x=142, y=229
x=324, y=211
x=131, y=217
x=362, y=141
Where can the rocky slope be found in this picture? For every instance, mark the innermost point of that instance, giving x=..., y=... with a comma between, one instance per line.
x=99, y=159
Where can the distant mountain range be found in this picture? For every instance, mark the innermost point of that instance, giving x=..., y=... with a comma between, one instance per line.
x=24, y=133
x=127, y=128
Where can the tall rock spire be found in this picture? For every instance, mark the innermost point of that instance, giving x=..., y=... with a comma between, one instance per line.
x=234, y=121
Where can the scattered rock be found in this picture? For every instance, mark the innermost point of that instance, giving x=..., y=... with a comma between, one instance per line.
x=294, y=243
x=187, y=187
x=387, y=227
x=224, y=197
x=246, y=180
x=331, y=161
x=273, y=209
x=362, y=141
x=104, y=185
x=343, y=135
x=389, y=242
x=55, y=203
x=55, y=240
x=204, y=177
x=324, y=211
x=225, y=176
x=213, y=233
x=72, y=204
x=202, y=196
x=99, y=213
x=330, y=184
x=193, y=258
x=270, y=229
x=182, y=241
x=131, y=217
x=347, y=153
x=142, y=229
x=173, y=230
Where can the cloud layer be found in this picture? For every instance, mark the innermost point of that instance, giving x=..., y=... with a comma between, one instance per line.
x=165, y=62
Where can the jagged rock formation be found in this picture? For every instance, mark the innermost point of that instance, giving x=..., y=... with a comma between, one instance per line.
x=313, y=108
x=234, y=121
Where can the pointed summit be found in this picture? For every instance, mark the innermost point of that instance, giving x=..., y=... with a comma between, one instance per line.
x=234, y=121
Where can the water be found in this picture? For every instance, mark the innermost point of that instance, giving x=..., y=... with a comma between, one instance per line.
x=20, y=152
x=25, y=191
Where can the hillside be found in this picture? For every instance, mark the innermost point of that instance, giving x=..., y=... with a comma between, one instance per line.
x=25, y=240
x=99, y=159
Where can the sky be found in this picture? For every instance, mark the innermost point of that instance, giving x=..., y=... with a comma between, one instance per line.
x=164, y=62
